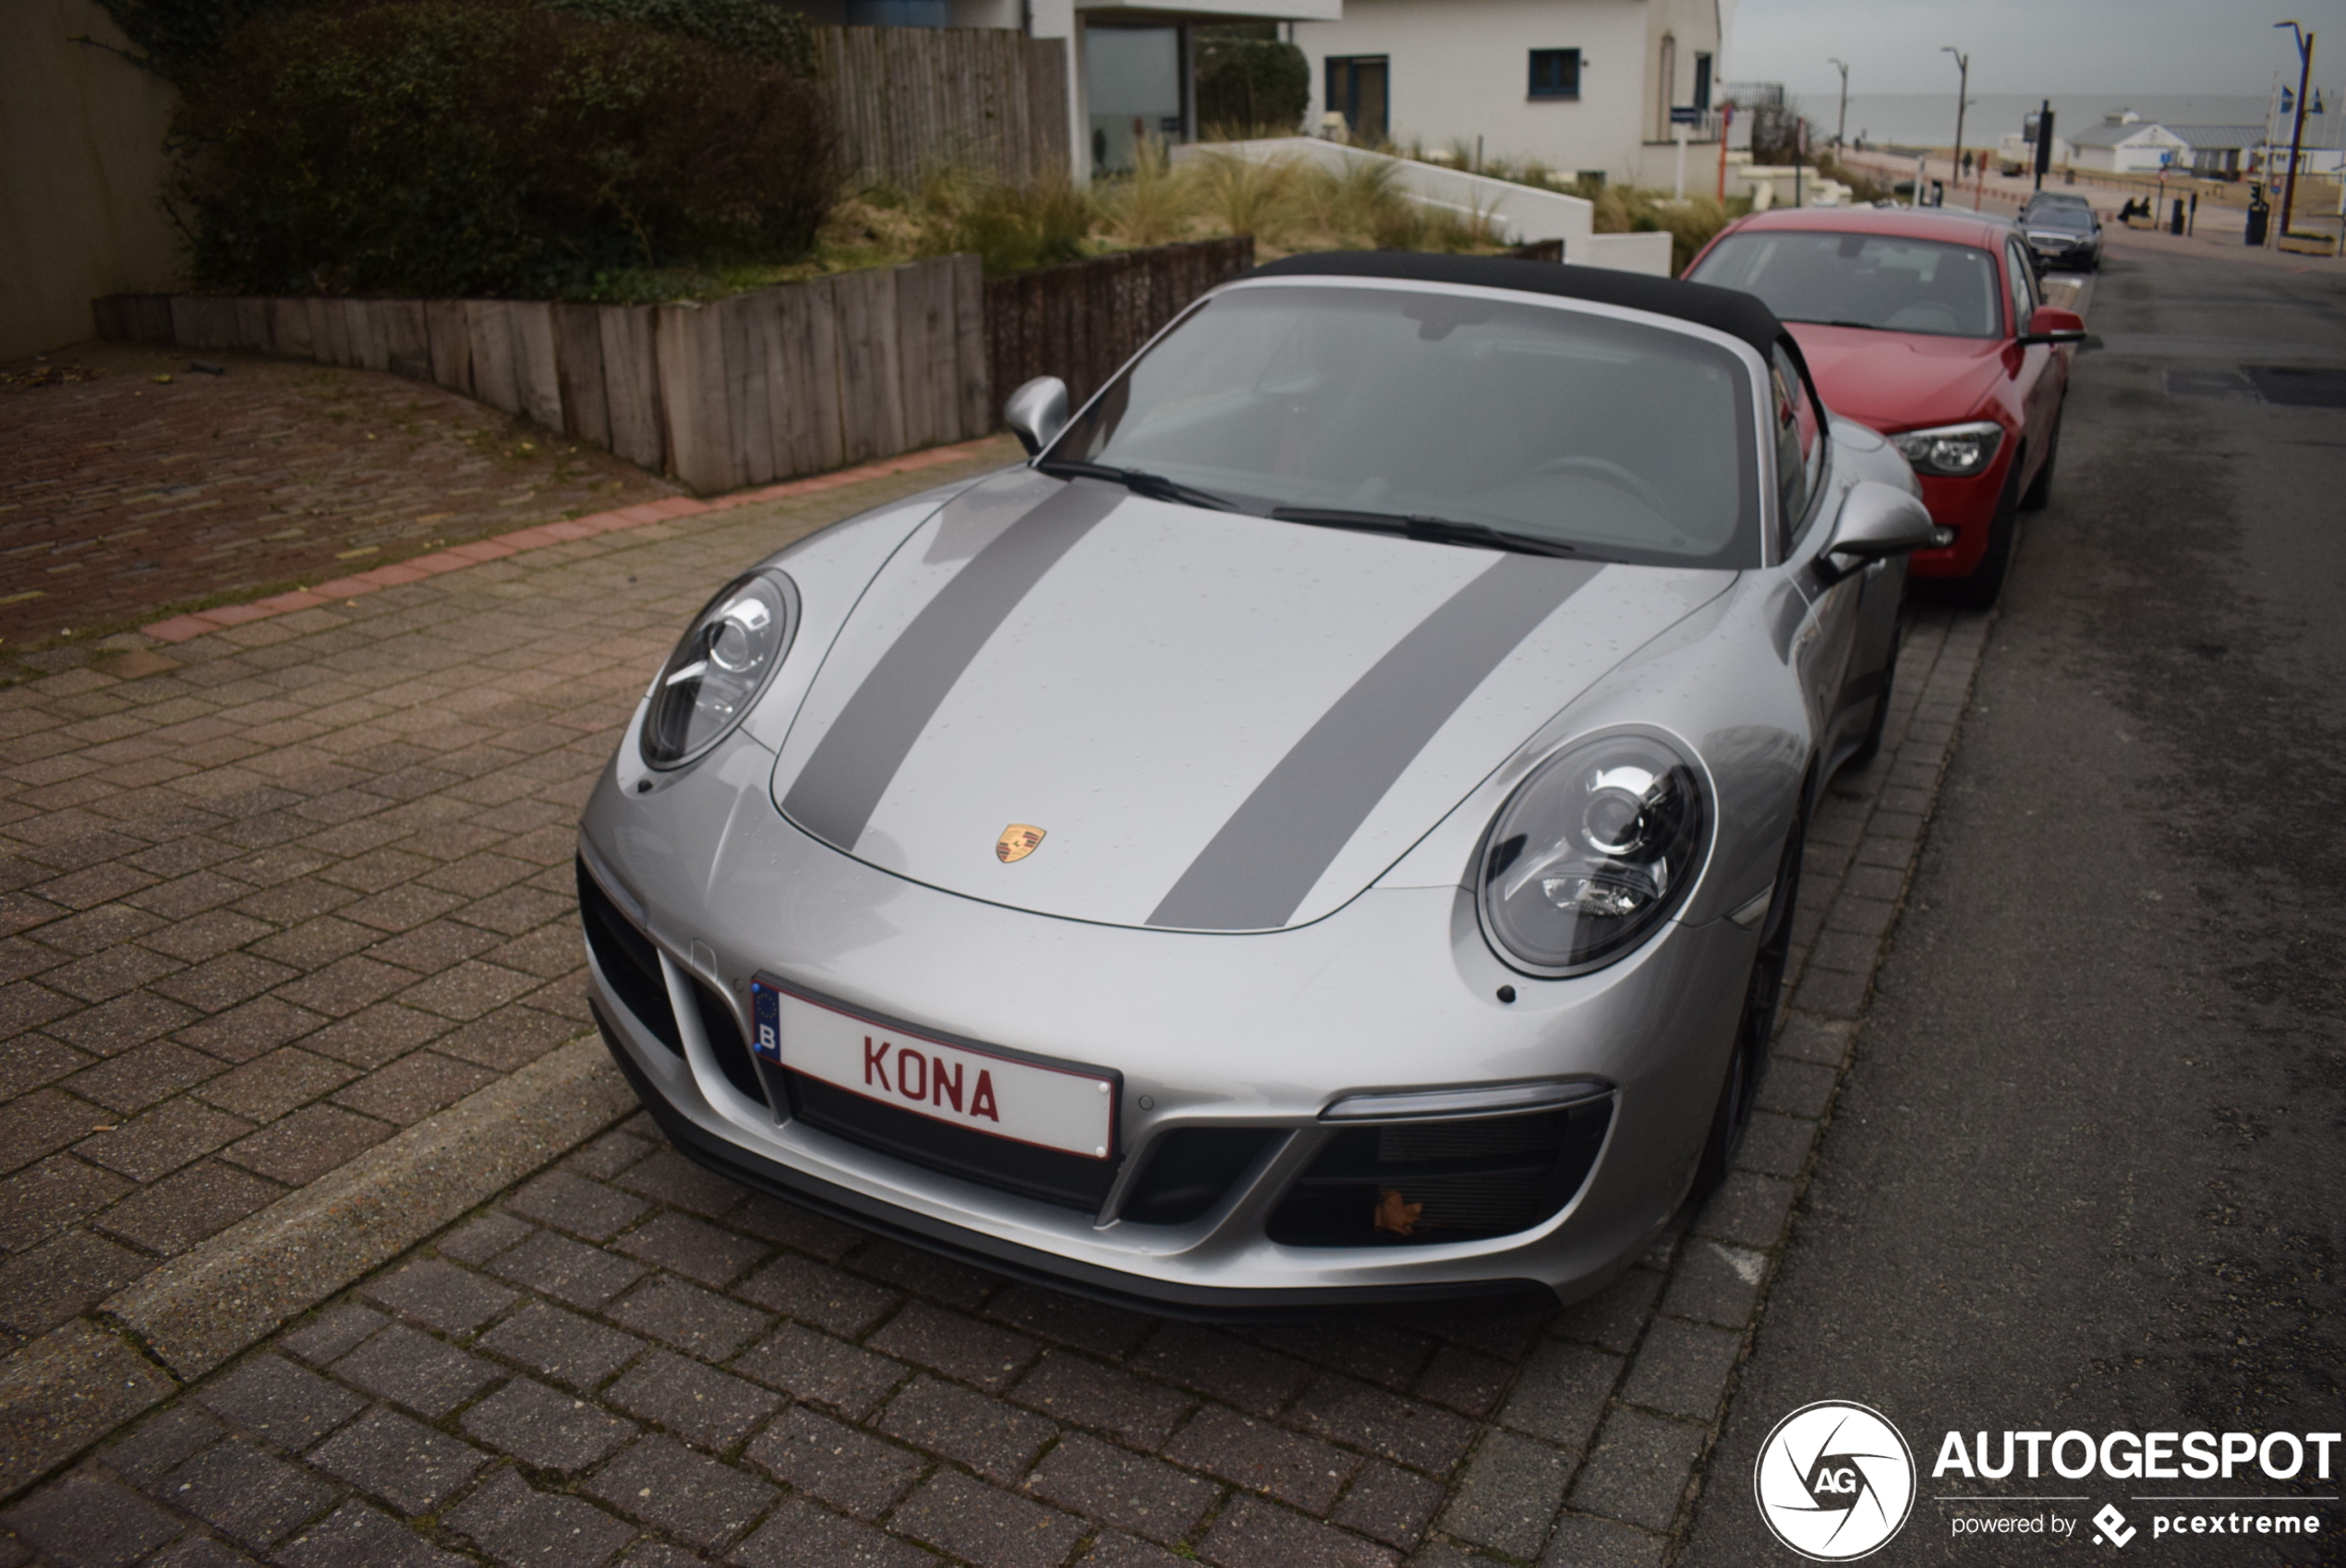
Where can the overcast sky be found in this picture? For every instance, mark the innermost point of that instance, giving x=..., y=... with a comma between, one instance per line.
x=2031, y=46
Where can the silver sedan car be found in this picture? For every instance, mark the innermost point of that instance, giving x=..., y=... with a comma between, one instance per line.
x=1326, y=829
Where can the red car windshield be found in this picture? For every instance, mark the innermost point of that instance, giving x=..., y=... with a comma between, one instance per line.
x=1884, y=281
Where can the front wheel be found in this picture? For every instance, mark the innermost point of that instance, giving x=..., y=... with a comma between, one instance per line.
x=2040, y=491
x=1756, y=1025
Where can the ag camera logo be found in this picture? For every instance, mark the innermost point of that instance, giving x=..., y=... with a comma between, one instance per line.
x=1835, y=1481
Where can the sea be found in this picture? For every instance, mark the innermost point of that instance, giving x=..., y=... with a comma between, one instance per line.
x=1923, y=119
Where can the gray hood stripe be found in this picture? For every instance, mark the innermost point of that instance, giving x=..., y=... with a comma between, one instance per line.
x=840, y=786
x=1277, y=846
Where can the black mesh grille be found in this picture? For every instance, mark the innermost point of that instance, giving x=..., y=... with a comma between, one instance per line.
x=1189, y=1171
x=1046, y=1173
x=1433, y=1182
x=722, y=1028
x=628, y=960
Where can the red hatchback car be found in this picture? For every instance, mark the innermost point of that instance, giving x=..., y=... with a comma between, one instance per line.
x=1926, y=326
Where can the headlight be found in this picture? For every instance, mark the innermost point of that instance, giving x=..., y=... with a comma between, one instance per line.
x=1954, y=450
x=1593, y=853
x=728, y=655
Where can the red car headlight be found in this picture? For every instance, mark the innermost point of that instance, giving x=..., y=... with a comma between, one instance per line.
x=1954, y=451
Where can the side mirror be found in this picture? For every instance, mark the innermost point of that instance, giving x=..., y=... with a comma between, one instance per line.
x=1877, y=520
x=1037, y=413
x=2048, y=325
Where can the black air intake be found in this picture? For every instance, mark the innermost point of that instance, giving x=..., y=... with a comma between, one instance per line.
x=628, y=960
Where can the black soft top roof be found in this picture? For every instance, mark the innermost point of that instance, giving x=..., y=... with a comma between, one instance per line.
x=1724, y=309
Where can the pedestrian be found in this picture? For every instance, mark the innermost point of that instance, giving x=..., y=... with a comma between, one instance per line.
x=1967, y=166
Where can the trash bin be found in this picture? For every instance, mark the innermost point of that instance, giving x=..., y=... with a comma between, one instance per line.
x=2175, y=219
x=2260, y=217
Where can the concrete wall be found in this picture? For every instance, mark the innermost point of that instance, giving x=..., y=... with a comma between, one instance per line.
x=81, y=163
x=1461, y=70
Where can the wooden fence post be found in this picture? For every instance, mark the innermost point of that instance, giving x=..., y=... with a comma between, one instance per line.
x=449, y=332
x=492, y=352
x=871, y=384
x=973, y=396
x=537, y=388
x=578, y=357
x=406, y=338
x=691, y=351
x=632, y=384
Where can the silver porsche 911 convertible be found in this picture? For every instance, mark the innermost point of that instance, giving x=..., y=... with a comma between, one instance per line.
x=1324, y=830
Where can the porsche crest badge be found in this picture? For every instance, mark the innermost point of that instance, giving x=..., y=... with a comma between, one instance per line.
x=1016, y=842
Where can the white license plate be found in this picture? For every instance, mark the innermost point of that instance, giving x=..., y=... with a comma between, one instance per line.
x=1051, y=1108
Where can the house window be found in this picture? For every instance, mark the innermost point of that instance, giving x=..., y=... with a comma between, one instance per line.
x=1702, y=82
x=1357, y=89
x=1555, y=73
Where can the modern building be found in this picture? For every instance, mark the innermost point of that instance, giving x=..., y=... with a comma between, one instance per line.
x=2126, y=143
x=1582, y=86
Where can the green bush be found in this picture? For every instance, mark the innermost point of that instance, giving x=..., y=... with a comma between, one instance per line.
x=472, y=147
x=1251, y=86
x=1013, y=229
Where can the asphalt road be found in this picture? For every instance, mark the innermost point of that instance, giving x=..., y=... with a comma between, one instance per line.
x=2086, y=1170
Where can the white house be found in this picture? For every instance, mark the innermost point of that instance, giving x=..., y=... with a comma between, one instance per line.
x=2126, y=143
x=1580, y=85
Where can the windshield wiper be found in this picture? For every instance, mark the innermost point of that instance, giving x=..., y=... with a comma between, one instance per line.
x=1440, y=530
x=1815, y=321
x=1156, y=487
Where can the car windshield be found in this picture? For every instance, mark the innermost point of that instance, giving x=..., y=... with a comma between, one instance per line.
x=1558, y=429
x=2072, y=218
x=1861, y=280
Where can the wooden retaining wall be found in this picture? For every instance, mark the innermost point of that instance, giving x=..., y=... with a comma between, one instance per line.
x=1081, y=321
x=797, y=379
x=913, y=101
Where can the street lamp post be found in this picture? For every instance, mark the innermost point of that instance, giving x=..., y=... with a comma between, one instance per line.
x=1841, y=125
x=2296, y=136
x=1962, y=95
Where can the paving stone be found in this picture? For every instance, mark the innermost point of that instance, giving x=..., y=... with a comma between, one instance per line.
x=574, y=1205
x=1583, y=1542
x=1254, y=1534
x=1261, y=1457
x=801, y=1535
x=994, y=1439
x=1749, y=1209
x=413, y=1088
x=669, y=1177
x=1638, y=1470
x=1616, y=1316
x=960, y=1347
x=524, y=1529
x=272, y=1398
x=926, y=1274
x=45, y=1198
x=775, y=1220
x=162, y=1444
x=298, y=1149
x=440, y=1293
x=651, y=1553
x=373, y=1036
x=140, y=1076
x=1561, y=1393
x=415, y=1371
x=150, y=1147
x=1716, y=1282
x=1257, y=1381
x=333, y=1332
x=246, y=1493
x=815, y=1292
x=186, y=1206
x=1776, y=1146
x=267, y=1087
x=402, y=1461
x=61, y=1279
x=1795, y=1088
x=1682, y=1369
x=606, y=1156
x=84, y=1522
x=692, y=1247
x=562, y=1345
x=203, y=1552
x=1074, y=1389
x=1466, y=1380
x=1406, y=1430
x=1388, y=1354
x=1101, y=1482
x=1070, y=1320
x=661, y=1482
x=1116, y=1550
x=1392, y=1505
x=355, y=1536
x=482, y=1237
x=568, y=1271
x=813, y=1365
x=834, y=1462
x=687, y=1317
x=541, y=1428
x=994, y=1530
x=703, y=1406
x=241, y=1034
x=1509, y=1493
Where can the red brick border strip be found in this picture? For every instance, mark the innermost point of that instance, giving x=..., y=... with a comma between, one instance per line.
x=179, y=628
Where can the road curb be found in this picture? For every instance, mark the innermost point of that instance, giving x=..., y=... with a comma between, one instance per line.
x=80, y=1384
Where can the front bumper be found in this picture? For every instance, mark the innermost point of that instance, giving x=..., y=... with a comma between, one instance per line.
x=1968, y=506
x=1395, y=991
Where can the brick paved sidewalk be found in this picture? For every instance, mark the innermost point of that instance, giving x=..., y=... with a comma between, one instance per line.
x=120, y=495
x=308, y=882
x=626, y=1358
